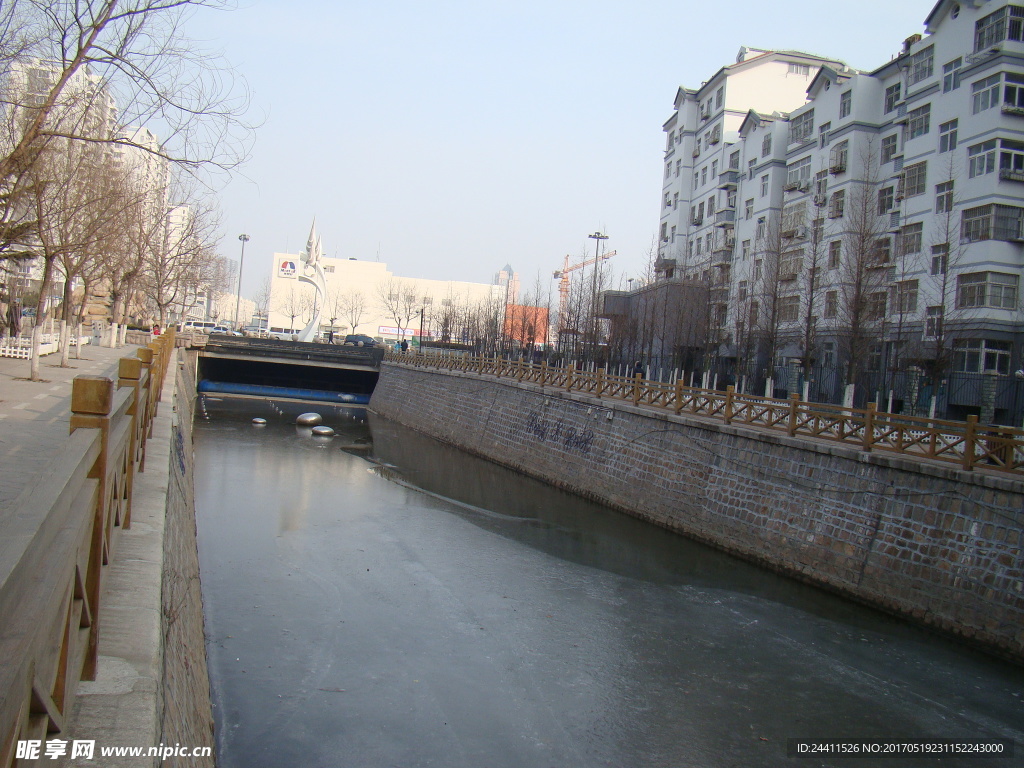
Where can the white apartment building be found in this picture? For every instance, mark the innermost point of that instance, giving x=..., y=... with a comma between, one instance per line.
x=865, y=219
x=361, y=296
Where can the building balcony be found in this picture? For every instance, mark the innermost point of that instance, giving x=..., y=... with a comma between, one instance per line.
x=728, y=179
x=1008, y=174
x=725, y=217
x=1013, y=109
x=722, y=257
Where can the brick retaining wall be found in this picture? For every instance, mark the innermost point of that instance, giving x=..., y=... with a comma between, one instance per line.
x=919, y=539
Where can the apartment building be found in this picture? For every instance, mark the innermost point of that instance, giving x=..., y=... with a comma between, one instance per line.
x=861, y=228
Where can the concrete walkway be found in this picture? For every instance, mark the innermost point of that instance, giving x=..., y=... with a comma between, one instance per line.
x=35, y=415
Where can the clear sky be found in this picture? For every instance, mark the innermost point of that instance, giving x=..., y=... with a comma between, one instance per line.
x=452, y=137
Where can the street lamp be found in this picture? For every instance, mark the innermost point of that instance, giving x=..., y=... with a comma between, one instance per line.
x=597, y=237
x=238, y=299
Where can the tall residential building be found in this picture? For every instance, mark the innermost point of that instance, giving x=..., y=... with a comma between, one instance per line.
x=861, y=228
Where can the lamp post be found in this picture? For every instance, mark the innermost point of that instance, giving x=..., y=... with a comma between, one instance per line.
x=597, y=237
x=238, y=298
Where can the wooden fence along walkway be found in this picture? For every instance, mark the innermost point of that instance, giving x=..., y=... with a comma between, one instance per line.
x=58, y=540
x=967, y=444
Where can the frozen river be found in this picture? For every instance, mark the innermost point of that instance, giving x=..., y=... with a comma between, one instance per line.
x=380, y=599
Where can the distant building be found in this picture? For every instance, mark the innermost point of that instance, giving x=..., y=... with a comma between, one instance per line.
x=364, y=297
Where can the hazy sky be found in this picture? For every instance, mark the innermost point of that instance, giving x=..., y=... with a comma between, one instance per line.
x=452, y=137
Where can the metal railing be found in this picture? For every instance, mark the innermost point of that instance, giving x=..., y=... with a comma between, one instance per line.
x=57, y=541
x=965, y=443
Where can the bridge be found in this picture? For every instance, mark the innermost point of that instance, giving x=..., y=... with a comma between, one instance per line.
x=291, y=369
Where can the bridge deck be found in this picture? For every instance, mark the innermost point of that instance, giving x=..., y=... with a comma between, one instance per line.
x=302, y=353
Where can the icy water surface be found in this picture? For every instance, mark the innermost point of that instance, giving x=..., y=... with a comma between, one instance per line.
x=379, y=599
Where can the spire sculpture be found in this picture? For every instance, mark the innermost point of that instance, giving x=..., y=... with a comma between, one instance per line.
x=313, y=273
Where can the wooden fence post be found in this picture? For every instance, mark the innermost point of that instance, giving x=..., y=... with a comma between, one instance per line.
x=92, y=399
x=636, y=388
x=569, y=371
x=129, y=374
x=729, y=392
x=970, y=439
x=679, y=396
x=869, y=428
x=794, y=403
x=543, y=373
x=600, y=382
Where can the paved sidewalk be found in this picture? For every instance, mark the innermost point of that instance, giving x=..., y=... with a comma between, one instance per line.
x=35, y=415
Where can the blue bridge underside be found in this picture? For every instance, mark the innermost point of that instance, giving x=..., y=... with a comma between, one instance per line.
x=207, y=386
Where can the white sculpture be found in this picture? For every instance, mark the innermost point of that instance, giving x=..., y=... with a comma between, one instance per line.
x=313, y=274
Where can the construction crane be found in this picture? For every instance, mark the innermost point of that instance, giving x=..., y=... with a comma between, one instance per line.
x=563, y=277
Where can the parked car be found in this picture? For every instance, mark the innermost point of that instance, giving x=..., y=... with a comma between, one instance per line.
x=361, y=340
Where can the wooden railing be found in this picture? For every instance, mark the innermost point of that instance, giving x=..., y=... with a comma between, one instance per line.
x=57, y=541
x=967, y=444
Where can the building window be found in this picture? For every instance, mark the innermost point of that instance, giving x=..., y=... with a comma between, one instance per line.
x=1005, y=24
x=933, y=322
x=892, y=97
x=981, y=356
x=837, y=205
x=789, y=309
x=951, y=75
x=1011, y=159
x=940, y=258
x=799, y=69
x=668, y=169
x=906, y=297
x=790, y=264
x=911, y=237
x=875, y=305
x=947, y=136
x=881, y=252
x=802, y=127
x=838, y=157
x=679, y=164
x=944, y=197
x=751, y=165
x=981, y=158
x=919, y=121
x=668, y=200
x=741, y=291
x=823, y=131
x=799, y=172
x=696, y=179
x=764, y=186
x=719, y=97
x=886, y=198
x=845, y=103
x=888, y=148
x=991, y=222
x=745, y=249
x=766, y=145
x=703, y=175
x=835, y=251
x=734, y=161
x=831, y=304
x=913, y=179
x=997, y=290
x=671, y=140
x=985, y=93
x=748, y=208
x=921, y=65
x=1013, y=91
x=759, y=234
x=714, y=169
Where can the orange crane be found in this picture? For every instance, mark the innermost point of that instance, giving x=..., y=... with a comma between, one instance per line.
x=563, y=276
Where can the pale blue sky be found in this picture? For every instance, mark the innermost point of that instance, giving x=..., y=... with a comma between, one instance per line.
x=456, y=136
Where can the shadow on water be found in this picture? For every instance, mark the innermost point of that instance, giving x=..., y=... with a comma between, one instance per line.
x=572, y=528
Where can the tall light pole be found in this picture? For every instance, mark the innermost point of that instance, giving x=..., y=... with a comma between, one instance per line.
x=597, y=237
x=238, y=299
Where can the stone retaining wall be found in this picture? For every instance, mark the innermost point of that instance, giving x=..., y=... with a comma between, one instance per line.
x=919, y=539
x=187, y=716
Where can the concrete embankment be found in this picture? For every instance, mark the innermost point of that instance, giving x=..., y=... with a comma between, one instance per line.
x=919, y=539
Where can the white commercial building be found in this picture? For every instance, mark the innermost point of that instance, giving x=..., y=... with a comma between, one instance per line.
x=364, y=297
x=868, y=221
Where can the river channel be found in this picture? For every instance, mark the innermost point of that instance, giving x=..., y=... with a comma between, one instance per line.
x=380, y=599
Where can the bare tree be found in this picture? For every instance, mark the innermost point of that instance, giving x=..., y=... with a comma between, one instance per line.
x=353, y=308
